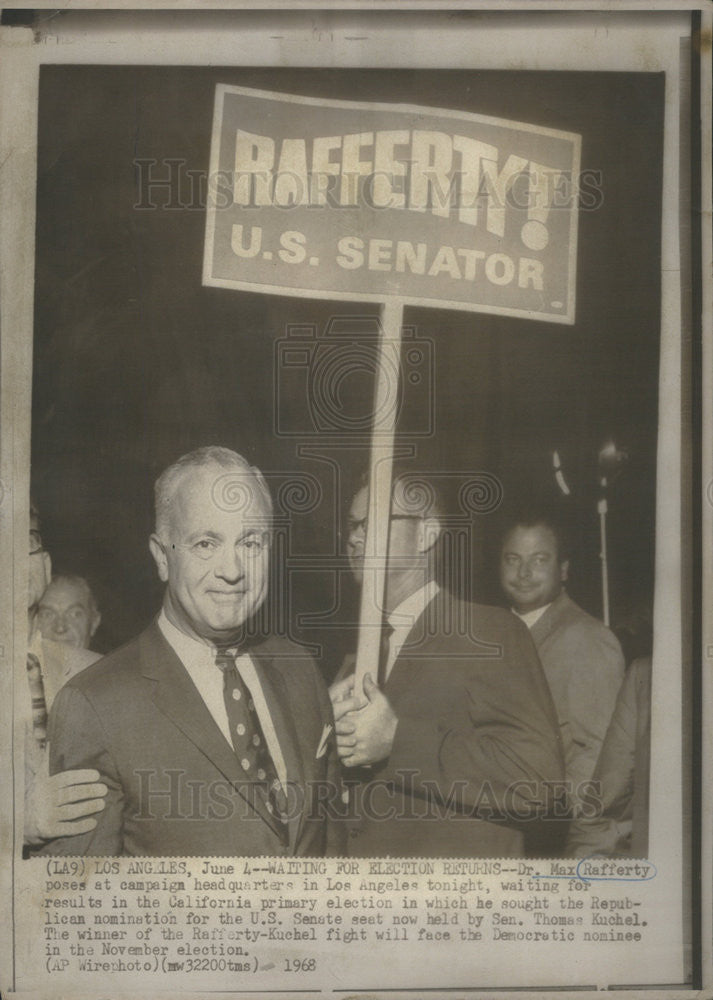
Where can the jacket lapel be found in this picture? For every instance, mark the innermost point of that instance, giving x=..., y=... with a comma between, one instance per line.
x=176, y=696
x=408, y=663
x=550, y=620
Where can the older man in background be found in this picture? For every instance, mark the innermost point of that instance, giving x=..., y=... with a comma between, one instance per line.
x=65, y=803
x=68, y=612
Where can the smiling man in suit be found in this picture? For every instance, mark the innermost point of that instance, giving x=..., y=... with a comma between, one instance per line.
x=210, y=743
x=453, y=747
x=581, y=657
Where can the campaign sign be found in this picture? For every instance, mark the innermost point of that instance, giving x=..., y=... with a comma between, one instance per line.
x=366, y=201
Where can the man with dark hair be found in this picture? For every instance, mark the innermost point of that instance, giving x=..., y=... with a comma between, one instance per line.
x=211, y=743
x=456, y=740
x=582, y=659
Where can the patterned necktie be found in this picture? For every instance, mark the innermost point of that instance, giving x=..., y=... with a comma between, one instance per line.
x=387, y=630
x=39, y=703
x=249, y=740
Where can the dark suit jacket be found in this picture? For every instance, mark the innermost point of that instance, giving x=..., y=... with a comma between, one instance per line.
x=175, y=784
x=476, y=738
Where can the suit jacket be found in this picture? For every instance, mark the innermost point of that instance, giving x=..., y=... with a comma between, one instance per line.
x=475, y=743
x=584, y=666
x=620, y=825
x=175, y=784
x=59, y=662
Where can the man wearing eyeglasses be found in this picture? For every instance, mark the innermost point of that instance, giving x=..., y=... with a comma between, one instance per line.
x=211, y=740
x=455, y=742
x=65, y=803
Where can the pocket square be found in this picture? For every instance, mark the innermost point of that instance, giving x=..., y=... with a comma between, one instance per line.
x=322, y=748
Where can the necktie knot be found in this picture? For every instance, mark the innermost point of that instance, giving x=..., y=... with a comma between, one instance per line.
x=224, y=659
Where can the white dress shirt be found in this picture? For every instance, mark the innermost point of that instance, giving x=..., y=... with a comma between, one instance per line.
x=530, y=618
x=403, y=618
x=199, y=660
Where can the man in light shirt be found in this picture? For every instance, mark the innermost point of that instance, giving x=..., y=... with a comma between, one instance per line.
x=455, y=742
x=212, y=741
x=582, y=659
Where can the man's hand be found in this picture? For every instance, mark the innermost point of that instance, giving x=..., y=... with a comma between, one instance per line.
x=63, y=804
x=365, y=729
x=343, y=698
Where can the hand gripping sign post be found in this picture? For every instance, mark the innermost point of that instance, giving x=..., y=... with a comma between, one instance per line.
x=396, y=204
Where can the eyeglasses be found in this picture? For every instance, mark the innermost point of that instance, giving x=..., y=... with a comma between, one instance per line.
x=35, y=542
x=363, y=523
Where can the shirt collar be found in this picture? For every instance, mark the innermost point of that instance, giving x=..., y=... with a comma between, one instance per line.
x=184, y=645
x=530, y=618
x=405, y=616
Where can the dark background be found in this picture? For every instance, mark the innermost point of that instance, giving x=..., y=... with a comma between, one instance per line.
x=135, y=362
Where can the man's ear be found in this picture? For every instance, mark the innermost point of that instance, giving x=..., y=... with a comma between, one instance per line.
x=96, y=622
x=564, y=571
x=429, y=532
x=47, y=560
x=159, y=555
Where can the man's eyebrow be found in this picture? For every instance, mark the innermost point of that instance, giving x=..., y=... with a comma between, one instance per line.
x=253, y=531
x=195, y=535
x=513, y=552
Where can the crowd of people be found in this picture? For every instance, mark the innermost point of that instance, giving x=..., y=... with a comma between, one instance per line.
x=479, y=732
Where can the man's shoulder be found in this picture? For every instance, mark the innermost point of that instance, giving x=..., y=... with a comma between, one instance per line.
x=575, y=624
x=68, y=658
x=470, y=620
x=114, y=667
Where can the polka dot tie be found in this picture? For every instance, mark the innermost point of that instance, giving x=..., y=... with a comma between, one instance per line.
x=248, y=738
